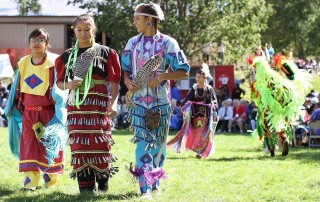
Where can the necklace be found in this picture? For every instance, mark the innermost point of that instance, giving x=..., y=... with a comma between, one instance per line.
x=151, y=49
x=140, y=40
x=88, y=77
x=73, y=56
x=197, y=96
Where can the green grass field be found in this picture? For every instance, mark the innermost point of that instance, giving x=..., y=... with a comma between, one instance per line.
x=238, y=171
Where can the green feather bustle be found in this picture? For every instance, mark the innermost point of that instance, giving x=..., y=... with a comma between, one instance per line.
x=279, y=99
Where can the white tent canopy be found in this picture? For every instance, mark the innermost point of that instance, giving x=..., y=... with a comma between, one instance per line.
x=5, y=66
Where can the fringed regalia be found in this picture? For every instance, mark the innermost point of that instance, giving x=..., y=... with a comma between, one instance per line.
x=151, y=105
x=37, y=102
x=200, y=121
x=89, y=128
x=279, y=94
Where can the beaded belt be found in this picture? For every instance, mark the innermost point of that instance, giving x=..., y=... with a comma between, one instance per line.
x=39, y=108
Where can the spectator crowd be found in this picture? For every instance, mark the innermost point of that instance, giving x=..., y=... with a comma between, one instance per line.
x=240, y=115
x=4, y=93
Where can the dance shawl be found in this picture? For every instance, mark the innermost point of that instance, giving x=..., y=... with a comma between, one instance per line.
x=185, y=132
x=14, y=119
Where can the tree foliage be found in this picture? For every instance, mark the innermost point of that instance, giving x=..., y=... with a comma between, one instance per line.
x=240, y=26
x=295, y=24
x=114, y=17
x=26, y=7
x=238, y=23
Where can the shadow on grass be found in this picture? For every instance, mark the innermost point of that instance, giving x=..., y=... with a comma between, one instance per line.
x=181, y=158
x=173, y=133
x=302, y=154
x=60, y=196
x=5, y=192
x=305, y=154
x=126, y=196
x=253, y=149
x=235, y=158
x=233, y=134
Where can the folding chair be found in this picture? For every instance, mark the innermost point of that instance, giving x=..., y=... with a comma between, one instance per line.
x=313, y=126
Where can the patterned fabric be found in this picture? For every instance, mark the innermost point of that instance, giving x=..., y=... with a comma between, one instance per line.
x=143, y=75
x=33, y=81
x=32, y=179
x=35, y=78
x=83, y=63
x=32, y=151
x=50, y=180
x=14, y=117
x=151, y=144
x=200, y=121
x=316, y=117
x=33, y=154
x=38, y=129
x=89, y=128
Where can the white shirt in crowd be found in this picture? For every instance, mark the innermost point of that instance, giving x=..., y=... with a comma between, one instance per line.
x=224, y=114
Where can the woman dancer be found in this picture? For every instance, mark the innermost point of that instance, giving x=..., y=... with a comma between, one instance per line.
x=197, y=132
x=89, y=112
x=150, y=99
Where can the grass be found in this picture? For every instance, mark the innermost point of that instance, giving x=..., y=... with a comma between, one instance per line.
x=239, y=171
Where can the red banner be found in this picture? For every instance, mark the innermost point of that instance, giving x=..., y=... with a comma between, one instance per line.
x=224, y=74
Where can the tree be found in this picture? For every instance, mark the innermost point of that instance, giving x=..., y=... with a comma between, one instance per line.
x=114, y=17
x=294, y=24
x=192, y=22
x=26, y=7
x=239, y=25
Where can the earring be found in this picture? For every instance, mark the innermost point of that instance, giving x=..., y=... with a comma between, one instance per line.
x=92, y=41
x=149, y=23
